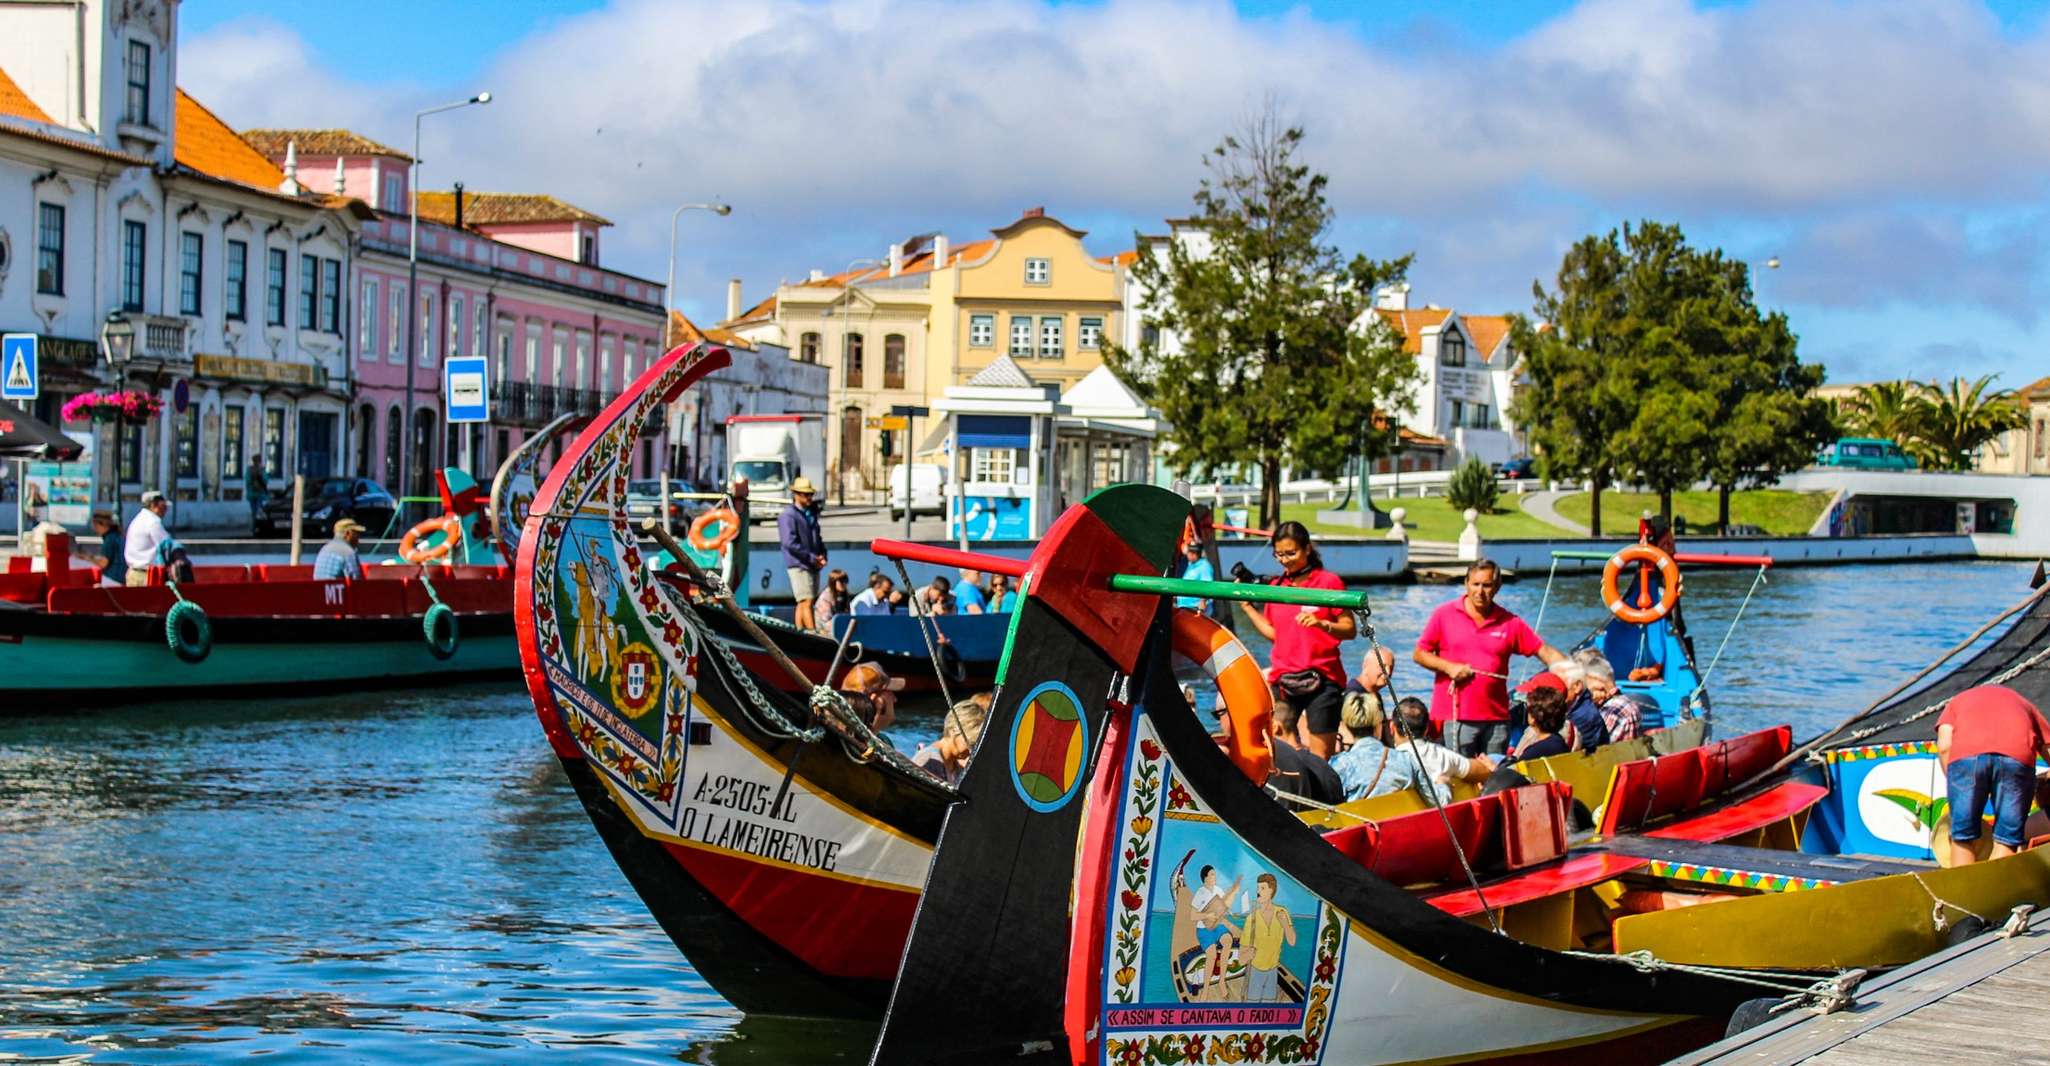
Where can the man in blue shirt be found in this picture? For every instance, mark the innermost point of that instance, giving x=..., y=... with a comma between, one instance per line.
x=804, y=548
x=968, y=597
x=1199, y=569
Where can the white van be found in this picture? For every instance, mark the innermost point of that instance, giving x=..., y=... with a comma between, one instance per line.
x=928, y=489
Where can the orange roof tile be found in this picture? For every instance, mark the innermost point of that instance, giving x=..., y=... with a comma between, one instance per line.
x=915, y=264
x=272, y=142
x=761, y=312
x=1123, y=259
x=1412, y=324
x=207, y=145
x=683, y=331
x=500, y=208
x=15, y=104
x=1487, y=331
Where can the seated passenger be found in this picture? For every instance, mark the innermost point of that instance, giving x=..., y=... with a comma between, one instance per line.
x=1365, y=766
x=1432, y=762
x=1545, y=734
x=1296, y=771
x=1621, y=717
x=877, y=690
x=1586, y=730
x=960, y=728
x=880, y=597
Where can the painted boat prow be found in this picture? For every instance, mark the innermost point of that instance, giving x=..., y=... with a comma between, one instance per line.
x=988, y=906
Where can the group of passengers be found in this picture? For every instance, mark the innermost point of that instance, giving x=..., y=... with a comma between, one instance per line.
x=1334, y=739
x=969, y=595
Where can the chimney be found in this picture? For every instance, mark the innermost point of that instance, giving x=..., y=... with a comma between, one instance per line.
x=341, y=184
x=896, y=260
x=459, y=205
x=939, y=252
x=1394, y=298
x=817, y=274
x=732, y=299
x=1035, y=212
x=290, y=186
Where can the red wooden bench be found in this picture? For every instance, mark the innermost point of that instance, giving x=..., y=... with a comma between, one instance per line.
x=1659, y=788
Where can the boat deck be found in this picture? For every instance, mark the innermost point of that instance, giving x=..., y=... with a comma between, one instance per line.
x=1981, y=1001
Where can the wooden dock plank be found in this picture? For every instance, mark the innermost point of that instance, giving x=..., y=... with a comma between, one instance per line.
x=1984, y=1001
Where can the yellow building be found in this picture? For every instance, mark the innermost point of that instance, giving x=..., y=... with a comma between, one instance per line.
x=898, y=331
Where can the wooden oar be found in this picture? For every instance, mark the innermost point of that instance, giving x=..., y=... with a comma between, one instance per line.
x=1803, y=750
x=719, y=592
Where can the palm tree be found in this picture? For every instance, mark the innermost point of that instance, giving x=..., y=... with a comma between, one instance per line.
x=1888, y=410
x=1962, y=418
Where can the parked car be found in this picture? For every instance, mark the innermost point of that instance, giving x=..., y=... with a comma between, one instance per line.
x=329, y=500
x=1517, y=469
x=1865, y=453
x=928, y=489
x=644, y=500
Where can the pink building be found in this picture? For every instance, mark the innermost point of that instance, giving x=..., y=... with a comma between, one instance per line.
x=513, y=277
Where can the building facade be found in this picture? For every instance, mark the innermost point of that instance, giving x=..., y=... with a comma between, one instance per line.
x=930, y=314
x=136, y=201
x=512, y=277
x=763, y=379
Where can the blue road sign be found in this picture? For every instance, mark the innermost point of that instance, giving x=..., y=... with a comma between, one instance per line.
x=18, y=366
x=464, y=391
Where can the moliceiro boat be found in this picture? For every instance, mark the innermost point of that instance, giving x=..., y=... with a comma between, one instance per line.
x=1172, y=912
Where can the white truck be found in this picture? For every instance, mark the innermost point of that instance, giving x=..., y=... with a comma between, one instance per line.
x=771, y=451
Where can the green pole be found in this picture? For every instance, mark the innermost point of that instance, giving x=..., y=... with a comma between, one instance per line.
x=1232, y=590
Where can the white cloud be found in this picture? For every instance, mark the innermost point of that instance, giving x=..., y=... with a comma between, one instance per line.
x=835, y=129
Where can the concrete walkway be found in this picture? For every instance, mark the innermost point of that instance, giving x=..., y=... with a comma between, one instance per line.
x=1539, y=505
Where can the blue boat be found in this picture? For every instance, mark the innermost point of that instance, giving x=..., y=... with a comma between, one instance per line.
x=976, y=641
x=1645, y=639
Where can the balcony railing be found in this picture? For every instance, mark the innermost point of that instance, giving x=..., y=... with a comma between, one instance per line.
x=527, y=404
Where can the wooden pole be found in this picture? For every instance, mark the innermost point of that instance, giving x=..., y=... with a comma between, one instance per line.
x=719, y=592
x=298, y=514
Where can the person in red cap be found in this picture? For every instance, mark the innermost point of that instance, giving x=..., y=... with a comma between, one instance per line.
x=1989, y=737
x=1468, y=642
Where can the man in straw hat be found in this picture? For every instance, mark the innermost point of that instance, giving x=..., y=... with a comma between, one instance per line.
x=804, y=548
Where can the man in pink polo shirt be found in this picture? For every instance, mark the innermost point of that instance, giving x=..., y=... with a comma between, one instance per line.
x=1468, y=643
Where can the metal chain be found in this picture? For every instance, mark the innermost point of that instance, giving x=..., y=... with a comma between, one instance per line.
x=777, y=725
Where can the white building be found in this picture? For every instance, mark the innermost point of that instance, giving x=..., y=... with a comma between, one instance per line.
x=763, y=379
x=121, y=194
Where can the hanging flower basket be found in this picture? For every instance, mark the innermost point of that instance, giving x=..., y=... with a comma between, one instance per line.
x=134, y=405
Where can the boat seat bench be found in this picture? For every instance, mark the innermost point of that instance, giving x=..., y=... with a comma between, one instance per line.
x=1770, y=869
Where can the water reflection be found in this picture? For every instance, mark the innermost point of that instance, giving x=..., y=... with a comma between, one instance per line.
x=399, y=875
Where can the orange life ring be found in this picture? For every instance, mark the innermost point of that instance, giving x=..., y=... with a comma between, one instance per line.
x=1247, y=699
x=729, y=528
x=450, y=526
x=1644, y=612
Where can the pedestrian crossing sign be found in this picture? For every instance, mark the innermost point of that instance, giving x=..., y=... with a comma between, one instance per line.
x=18, y=366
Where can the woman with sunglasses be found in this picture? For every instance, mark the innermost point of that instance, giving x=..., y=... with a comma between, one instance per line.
x=1304, y=667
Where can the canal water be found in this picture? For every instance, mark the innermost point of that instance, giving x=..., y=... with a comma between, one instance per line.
x=386, y=876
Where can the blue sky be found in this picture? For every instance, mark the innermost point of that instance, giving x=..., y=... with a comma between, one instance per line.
x=1892, y=153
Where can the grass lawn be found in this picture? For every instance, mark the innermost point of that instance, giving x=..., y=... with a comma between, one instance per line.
x=1431, y=518
x=1777, y=511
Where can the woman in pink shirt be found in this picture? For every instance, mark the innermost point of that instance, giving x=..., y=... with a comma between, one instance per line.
x=1304, y=667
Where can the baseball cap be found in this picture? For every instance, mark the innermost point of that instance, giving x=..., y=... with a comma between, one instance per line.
x=151, y=496
x=864, y=676
x=1544, y=679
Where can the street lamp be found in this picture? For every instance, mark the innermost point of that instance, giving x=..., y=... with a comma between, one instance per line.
x=117, y=340
x=697, y=431
x=413, y=286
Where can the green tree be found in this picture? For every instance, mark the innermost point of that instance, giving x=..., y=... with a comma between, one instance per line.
x=1769, y=421
x=1889, y=410
x=1568, y=406
x=1274, y=360
x=1960, y=418
x=1473, y=485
